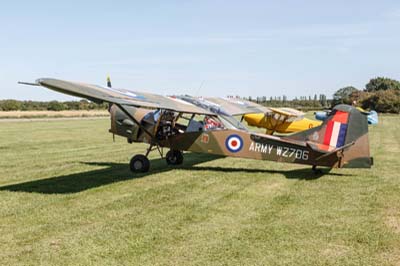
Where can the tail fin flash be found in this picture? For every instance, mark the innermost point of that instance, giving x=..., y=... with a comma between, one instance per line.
x=336, y=129
x=345, y=132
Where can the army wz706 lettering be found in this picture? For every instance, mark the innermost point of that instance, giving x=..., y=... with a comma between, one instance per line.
x=280, y=150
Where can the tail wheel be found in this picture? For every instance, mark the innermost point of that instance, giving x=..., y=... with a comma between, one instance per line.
x=139, y=164
x=174, y=157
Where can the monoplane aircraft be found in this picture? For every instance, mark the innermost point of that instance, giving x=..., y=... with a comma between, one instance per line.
x=281, y=120
x=168, y=122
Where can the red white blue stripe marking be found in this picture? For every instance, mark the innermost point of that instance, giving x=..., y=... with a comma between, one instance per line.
x=336, y=128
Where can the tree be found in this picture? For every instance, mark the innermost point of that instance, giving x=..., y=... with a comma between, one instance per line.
x=381, y=83
x=385, y=101
x=56, y=106
x=322, y=100
x=10, y=105
x=343, y=95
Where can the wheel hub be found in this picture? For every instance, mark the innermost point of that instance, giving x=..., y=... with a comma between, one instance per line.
x=138, y=165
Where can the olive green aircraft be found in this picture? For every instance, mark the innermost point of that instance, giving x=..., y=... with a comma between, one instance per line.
x=178, y=125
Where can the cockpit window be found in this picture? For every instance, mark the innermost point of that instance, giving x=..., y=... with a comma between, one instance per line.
x=212, y=123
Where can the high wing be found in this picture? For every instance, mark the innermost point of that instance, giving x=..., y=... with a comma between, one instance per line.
x=100, y=94
x=234, y=106
x=217, y=109
x=288, y=112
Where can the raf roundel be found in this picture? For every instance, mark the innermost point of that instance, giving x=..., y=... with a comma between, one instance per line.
x=234, y=143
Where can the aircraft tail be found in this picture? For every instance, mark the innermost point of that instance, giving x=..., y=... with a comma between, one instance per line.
x=344, y=133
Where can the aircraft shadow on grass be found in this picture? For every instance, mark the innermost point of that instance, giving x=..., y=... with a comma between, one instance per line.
x=117, y=172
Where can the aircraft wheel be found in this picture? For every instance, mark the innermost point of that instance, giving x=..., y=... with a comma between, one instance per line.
x=139, y=164
x=174, y=157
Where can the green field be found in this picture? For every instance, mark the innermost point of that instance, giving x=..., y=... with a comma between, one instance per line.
x=68, y=198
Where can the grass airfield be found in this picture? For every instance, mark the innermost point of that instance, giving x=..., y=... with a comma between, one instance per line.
x=68, y=198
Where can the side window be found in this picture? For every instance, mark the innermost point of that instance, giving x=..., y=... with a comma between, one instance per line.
x=196, y=124
x=212, y=123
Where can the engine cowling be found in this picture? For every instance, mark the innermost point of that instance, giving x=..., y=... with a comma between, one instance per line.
x=122, y=125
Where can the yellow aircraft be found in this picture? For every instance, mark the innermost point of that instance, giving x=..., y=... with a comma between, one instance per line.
x=281, y=120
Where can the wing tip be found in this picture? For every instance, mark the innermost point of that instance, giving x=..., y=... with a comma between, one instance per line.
x=29, y=83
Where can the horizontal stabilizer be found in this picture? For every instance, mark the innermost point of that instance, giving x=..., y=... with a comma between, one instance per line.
x=333, y=151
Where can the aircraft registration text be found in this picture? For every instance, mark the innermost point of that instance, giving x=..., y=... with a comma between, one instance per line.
x=280, y=150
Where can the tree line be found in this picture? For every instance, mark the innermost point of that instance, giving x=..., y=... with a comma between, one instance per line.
x=15, y=105
x=380, y=94
x=303, y=102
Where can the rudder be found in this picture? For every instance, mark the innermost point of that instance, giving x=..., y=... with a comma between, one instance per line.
x=346, y=131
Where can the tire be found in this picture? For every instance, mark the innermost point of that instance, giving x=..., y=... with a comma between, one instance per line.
x=139, y=164
x=174, y=157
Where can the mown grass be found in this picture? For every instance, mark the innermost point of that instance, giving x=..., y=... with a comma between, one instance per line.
x=68, y=198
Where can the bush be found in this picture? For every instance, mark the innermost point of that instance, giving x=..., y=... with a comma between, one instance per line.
x=56, y=106
x=384, y=101
x=380, y=83
x=14, y=105
x=343, y=95
x=10, y=105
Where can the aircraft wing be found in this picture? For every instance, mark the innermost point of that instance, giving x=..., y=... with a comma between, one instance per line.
x=100, y=94
x=289, y=112
x=213, y=107
x=238, y=106
x=286, y=114
x=235, y=106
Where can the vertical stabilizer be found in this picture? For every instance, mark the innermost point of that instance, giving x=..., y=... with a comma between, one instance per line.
x=345, y=132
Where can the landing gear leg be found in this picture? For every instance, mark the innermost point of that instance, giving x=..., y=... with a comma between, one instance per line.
x=315, y=170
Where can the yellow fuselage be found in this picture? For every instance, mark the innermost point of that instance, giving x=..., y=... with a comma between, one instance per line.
x=281, y=126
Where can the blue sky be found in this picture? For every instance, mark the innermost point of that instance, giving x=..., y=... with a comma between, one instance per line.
x=244, y=48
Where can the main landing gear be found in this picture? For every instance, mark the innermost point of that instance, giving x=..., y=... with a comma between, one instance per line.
x=174, y=157
x=141, y=164
x=316, y=171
